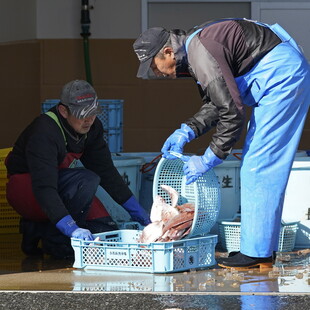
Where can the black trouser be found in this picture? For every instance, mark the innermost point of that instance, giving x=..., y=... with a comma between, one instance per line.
x=77, y=188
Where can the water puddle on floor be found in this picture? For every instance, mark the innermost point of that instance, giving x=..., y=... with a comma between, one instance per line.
x=293, y=277
x=290, y=274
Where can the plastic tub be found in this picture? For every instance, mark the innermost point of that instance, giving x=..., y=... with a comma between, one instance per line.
x=148, y=168
x=129, y=169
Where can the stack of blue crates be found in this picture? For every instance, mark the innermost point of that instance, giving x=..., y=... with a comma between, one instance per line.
x=111, y=118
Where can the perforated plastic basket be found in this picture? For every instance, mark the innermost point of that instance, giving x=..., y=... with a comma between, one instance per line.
x=204, y=193
x=111, y=119
x=229, y=236
x=119, y=251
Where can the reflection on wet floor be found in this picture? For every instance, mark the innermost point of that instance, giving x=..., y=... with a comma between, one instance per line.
x=290, y=274
x=13, y=260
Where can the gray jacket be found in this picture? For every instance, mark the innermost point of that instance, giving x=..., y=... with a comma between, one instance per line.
x=220, y=52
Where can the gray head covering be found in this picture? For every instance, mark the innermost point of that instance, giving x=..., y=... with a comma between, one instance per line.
x=81, y=99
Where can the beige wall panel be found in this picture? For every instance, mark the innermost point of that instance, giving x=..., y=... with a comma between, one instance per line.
x=113, y=62
x=185, y=15
x=62, y=61
x=19, y=88
x=21, y=110
x=152, y=139
x=36, y=70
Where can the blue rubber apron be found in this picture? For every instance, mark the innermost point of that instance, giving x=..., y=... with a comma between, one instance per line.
x=278, y=89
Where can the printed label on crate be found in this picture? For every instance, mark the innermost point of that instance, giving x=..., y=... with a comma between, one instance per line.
x=192, y=249
x=117, y=253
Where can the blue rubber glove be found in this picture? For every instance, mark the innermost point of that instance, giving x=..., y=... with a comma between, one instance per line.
x=68, y=227
x=196, y=166
x=84, y=234
x=136, y=211
x=177, y=140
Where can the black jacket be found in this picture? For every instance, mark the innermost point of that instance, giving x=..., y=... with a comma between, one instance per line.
x=218, y=54
x=41, y=148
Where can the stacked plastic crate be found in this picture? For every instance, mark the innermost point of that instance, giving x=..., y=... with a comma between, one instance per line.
x=111, y=118
x=9, y=219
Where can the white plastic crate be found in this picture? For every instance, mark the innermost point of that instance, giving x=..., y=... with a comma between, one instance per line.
x=229, y=236
x=119, y=251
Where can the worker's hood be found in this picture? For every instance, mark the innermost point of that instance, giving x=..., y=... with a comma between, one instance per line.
x=178, y=37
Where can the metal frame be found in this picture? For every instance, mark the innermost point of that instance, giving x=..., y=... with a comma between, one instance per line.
x=256, y=7
x=145, y=3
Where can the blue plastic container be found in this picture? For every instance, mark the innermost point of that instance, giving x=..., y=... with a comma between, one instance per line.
x=111, y=118
x=119, y=251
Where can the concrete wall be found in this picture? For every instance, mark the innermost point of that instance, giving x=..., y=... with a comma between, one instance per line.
x=41, y=49
x=17, y=20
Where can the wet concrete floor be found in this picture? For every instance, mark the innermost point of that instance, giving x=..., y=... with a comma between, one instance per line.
x=46, y=283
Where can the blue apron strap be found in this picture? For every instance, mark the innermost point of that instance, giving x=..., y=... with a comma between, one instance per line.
x=284, y=36
x=190, y=38
x=281, y=33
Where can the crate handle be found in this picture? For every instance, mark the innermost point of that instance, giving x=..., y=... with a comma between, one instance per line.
x=111, y=236
x=151, y=165
x=128, y=224
x=237, y=155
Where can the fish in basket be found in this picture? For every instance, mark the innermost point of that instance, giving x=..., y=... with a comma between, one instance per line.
x=169, y=222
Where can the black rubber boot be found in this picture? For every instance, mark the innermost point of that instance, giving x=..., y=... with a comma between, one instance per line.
x=56, y=244
x=32, y=233
x=240, y=260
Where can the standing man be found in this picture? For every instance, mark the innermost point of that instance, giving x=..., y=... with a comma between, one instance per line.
x=56, y=200
x=238, y=62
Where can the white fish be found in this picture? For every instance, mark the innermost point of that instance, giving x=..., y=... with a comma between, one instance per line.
x=157, y=208
x=151, y=232
x=174, y=195
x=169, y=222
